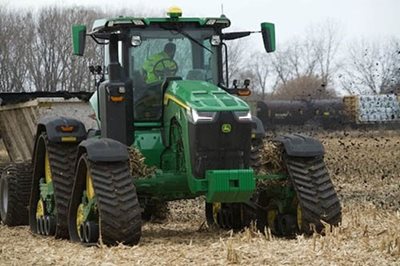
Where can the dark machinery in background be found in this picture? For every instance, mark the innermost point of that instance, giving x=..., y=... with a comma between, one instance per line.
x=327, y=114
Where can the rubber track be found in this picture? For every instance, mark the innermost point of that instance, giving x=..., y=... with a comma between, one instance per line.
x=119, y=209
x=19, y=177
x=62, y=158
x=315, y=192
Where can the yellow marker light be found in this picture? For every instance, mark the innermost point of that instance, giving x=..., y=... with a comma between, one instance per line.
x=174, y=12
x=117, y=98
x=244, y=92
x=67, y=128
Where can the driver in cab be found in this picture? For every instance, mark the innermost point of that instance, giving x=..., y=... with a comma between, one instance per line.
x=160, y=65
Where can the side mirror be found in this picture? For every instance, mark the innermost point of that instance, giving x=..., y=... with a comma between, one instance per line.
x=268, y=34
x=235, y=83
x=78, y=39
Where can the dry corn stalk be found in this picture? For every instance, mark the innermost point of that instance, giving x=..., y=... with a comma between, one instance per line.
x=270, y=158
x=270, y=161
x=138, y=168
x=158, y=211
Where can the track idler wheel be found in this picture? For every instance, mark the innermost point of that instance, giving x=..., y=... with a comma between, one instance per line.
x=287, y=224
x=90, y=232
x=49, y=225
x=40, y=225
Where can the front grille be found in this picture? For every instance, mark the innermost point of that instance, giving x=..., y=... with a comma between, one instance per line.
x=212, y=149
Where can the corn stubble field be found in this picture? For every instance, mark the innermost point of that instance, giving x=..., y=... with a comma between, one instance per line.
x=365, y=169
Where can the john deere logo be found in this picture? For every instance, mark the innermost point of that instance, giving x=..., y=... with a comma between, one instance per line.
x=226, y=128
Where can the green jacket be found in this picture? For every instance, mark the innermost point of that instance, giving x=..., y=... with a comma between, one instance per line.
x=149, y=64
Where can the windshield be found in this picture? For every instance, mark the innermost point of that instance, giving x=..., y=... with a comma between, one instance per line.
x=159, y=54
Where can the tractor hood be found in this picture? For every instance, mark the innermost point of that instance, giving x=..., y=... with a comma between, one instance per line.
x=202, y=96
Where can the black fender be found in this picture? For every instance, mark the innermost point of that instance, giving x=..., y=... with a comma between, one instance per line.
x=53, y=127
x=298, y=145
x=257, y=130
x=103, y=150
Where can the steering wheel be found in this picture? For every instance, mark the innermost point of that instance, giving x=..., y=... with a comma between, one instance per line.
x=165, y=67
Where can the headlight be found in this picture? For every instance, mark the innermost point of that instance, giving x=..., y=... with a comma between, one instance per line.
x=197, y=116
x=242, y=115
x=215, y=40
x=136, y=41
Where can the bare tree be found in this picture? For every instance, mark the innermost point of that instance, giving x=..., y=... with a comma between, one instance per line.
x=236, y=58
x=50, y=62
x=261, y=69
x=13, y=47
x=325, y=42
x=303, y=88
x=372, y=67
x=301, y=60
x=77, y=76
x=36, y=49
x=312, y=54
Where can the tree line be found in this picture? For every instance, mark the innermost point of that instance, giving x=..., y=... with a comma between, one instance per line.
x=319, y=64
x=36, y=50
x=36, y=55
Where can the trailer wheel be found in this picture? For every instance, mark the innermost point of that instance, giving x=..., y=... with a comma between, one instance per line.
x=15, y=188
x=104, y=204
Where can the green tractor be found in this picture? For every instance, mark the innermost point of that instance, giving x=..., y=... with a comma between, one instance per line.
x=164, y=94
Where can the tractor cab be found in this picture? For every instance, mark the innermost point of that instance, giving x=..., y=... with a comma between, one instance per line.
x=169, y=51
x=147, y=52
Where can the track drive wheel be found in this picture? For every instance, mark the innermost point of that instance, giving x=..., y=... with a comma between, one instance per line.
x=104, y=204
x=316, y=197
x=15, y=188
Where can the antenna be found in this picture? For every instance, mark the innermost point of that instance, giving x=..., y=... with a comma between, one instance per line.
x=222, y=8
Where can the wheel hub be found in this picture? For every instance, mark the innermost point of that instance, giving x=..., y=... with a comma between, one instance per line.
x=299, y=217
x=47, y=169
x=40, y=209
x=80, y=218
x=216, y=207
x=89, y=186
x=271, y=218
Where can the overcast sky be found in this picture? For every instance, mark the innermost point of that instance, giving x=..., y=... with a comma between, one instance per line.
x=374, y=19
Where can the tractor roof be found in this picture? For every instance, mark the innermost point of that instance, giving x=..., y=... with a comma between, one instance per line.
x=111, y=23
